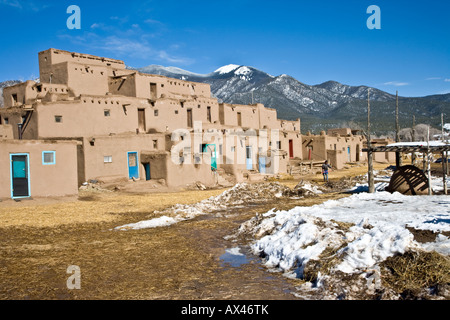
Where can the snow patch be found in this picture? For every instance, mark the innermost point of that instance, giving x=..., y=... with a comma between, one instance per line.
x=227, y=69
x=289, y=239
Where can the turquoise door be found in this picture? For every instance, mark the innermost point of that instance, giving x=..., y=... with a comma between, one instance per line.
x=212, y=149
x=147, y=171
x=20, y=182
x=133, y=165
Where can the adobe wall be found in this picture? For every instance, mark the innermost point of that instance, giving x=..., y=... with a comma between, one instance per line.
x=183, y=174
x=59, y=179
x=117, y=146
x=15, y=115
x=6, y=131
x=161, y=166
x=170, y=114
x=88, y=116
x=339, y=131
x=23, y=92
x=268, y=118
x=323, y=146
x=249, y=116
x=51, y=57
x=169, y=87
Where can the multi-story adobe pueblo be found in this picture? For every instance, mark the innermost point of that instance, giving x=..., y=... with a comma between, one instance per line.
x=90, y=117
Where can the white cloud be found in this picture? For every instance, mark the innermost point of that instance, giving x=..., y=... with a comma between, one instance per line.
x=433, y=78
x=125, y=46
x=396, y=83
x=11, y=3
x=24, y=4
x=163, y=55
x=447, y=80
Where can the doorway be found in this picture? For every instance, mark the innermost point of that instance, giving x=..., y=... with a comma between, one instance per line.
x=133, y=165
x=20, y=173
x=262, y=165
x=248, y=160
x=291, y=149
x=147, y=171
x=358, y=151
x=141, y=120
x=211, y=149
x=153, y=94
x=189, y=118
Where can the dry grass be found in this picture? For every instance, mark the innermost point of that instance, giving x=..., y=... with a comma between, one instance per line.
x=93, y=208
x=414, y=271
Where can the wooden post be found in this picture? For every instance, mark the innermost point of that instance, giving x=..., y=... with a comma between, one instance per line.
x=369, y=147
x=444, y=175
x=413, y=136
x=398, y=156
x=428, y=161
x=443, y=157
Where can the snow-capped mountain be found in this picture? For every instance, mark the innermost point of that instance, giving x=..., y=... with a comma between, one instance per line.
x=321, y=106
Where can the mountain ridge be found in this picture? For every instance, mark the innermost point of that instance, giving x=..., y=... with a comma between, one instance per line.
x=326, y=105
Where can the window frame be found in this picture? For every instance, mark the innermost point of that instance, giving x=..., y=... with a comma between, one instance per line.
x=48, y=163
x=110, y=158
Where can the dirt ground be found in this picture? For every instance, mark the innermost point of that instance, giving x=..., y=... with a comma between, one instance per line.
x=41, y=238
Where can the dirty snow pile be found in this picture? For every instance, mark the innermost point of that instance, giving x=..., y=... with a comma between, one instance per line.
x=240, y=195
x=374, y=229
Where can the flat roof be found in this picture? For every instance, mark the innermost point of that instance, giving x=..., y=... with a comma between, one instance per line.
x=420, y=146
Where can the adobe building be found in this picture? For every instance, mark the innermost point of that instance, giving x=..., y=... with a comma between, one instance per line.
x=338, y=146
x=125, y=124
x=30, y=168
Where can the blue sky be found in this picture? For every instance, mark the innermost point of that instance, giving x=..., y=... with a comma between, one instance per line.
x=313, y=41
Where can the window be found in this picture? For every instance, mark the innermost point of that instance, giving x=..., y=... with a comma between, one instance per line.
x=155, y=144
x=107, y=159
x=6, y=120
x=107, y=112
x=48, y=157
x=14, y=98
x=208, y=114
x=279, y=145
x=156, y=113
x=58, y=119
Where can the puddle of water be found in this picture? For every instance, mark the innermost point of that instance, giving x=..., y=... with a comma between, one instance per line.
x=233, y=257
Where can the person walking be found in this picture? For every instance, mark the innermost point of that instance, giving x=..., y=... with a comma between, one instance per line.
x=325, y=168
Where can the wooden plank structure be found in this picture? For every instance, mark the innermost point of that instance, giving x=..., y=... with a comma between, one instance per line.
x=426, y=148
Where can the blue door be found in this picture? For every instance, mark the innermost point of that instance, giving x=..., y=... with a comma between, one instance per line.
x=248, y=159
x=133, y=165
x=147, y=171
x=211, y=148
x=20, y=182
x=262, y=165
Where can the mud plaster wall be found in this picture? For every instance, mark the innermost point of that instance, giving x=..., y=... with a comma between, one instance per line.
x=59, y=179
